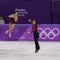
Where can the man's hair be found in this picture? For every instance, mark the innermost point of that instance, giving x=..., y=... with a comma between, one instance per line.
x=35, y=21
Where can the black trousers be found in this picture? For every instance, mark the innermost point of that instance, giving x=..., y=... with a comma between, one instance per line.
x=36, y=36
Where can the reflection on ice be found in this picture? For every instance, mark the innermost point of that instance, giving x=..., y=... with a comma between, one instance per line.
x=24, y=50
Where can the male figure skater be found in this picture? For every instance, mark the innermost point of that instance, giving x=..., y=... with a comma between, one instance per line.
x=36, y=34
x=13, y=20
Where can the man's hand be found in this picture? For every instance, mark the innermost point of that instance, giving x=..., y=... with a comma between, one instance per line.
x=29, y=32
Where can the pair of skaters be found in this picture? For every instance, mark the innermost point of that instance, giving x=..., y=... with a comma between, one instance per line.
x=14, y=19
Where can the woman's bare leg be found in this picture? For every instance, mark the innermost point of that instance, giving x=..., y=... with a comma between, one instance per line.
x=11, y=26
x=10, y=30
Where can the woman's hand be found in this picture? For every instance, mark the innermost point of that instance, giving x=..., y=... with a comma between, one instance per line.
x=29, y=20
x=15, y=18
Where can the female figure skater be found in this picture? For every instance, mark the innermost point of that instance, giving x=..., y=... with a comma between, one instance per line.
x=13, y=20
x=36, y=34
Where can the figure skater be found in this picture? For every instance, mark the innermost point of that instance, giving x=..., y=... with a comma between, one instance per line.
x=13, y=20
x=36, y=34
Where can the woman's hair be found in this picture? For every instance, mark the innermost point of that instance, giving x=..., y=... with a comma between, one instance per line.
x=16, y=11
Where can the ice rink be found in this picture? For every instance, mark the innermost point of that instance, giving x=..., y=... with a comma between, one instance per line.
x=24, y=50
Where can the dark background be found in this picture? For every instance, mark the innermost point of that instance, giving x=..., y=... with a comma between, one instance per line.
x=44, y=11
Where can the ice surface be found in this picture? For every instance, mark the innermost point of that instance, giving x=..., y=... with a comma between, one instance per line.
x=24, y=50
